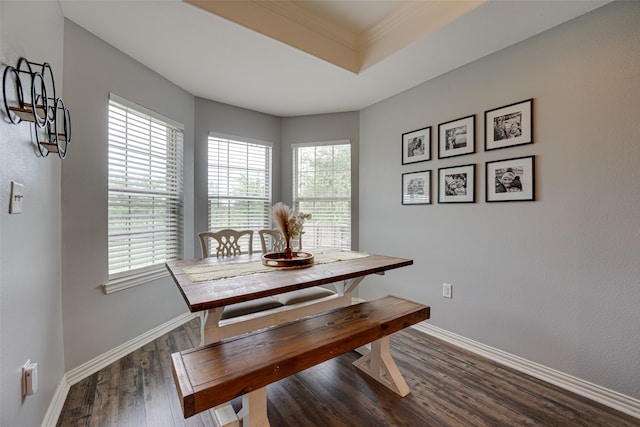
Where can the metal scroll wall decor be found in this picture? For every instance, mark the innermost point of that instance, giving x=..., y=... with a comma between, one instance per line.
x=33, y=90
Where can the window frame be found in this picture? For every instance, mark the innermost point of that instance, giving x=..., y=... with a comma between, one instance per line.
x=173, y=151
x=295, y=178
x=266, y=198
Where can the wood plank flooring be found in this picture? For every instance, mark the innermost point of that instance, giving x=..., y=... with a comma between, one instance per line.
x=449, y=387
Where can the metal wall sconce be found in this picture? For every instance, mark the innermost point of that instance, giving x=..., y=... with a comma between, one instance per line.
x=51, y=118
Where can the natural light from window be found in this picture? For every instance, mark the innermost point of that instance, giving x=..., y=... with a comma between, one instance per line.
x=145, y=192
x=322, y=187
x=239, y=184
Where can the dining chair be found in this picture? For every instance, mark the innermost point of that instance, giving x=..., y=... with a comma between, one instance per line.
x=273, y=241
x=228, y=242
x=228, y=245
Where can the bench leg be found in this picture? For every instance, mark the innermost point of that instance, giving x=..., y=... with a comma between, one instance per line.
x=380, y=366
x=225, y=416
x=252, y=414
x=254, y=409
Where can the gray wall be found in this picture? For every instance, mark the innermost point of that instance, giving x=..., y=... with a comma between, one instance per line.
x=30, y=298
x=556, y=281
x=224, y=119
x=93, y=322
x=318, y=128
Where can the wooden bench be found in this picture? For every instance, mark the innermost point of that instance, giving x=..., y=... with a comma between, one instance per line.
x=215, y=374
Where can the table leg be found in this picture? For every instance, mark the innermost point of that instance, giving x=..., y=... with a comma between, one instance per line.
x=223, y=415
x=380, y=366
x=209, y=331
x=346, y=287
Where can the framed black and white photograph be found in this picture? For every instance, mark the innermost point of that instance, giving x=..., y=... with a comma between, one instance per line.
x=511, y=180
x=416, y=146
x=457, y=137
x=416, y=188
x=457, y=184
x=509, y=125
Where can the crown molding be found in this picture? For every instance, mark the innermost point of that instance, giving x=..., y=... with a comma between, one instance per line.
x=414, y=21
x=289, y=23
x=290, y=10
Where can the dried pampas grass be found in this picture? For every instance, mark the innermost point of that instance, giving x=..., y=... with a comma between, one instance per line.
x=281, y=213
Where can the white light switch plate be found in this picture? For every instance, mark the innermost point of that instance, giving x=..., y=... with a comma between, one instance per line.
x=17, y=194
x=446, y=290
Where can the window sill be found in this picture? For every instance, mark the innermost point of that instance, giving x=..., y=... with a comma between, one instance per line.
x=132, y=280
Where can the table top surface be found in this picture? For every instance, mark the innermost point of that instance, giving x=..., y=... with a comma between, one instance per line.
x=208, y=294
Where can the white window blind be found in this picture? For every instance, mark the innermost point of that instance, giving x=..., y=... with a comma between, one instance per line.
x=239, y=184
x=322, y=187
x=145, y=194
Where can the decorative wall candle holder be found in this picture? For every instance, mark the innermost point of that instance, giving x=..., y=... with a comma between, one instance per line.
x=32, y=85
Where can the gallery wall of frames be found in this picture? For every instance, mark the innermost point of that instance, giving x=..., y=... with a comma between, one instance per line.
x=507, y=179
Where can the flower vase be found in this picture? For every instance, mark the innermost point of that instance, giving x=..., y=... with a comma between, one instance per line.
x=288, y=253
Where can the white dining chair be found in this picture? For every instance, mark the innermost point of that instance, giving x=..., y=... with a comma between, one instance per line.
x=228, y=242
x=273, y=241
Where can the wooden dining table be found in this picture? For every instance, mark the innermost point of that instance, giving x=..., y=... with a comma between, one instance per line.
x=226, y=286
x=209, y=285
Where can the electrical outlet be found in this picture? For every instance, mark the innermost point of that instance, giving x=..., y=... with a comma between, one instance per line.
x=447, y=290
x=29, y=378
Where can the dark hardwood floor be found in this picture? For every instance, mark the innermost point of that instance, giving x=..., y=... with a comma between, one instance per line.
x=449, y=387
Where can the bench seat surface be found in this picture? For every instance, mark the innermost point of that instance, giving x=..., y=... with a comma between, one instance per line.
x=217, y=373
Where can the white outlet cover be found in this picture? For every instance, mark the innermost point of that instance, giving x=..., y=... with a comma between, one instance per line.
x=29, y=378
x=17, y=194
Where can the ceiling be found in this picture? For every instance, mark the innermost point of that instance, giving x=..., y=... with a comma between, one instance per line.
x=291, y=58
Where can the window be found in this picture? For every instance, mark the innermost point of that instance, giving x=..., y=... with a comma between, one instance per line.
x=322, y=187
x=239, y=184
x=145, y=194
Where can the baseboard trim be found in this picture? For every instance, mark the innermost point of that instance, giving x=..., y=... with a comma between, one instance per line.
x=610, y=398
x=89, y=368
x=57, y=402
x=94, y=365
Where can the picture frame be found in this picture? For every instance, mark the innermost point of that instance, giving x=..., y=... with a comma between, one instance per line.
x=416, y=146
x=457, y=137
x=509, y=126
x=457, y=184
x=511, y=180
x=416, y=188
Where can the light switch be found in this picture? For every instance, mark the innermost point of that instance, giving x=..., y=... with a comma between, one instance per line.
x=17, y=194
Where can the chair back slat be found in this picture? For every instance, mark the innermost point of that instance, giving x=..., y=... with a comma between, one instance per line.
x=228, y=242
x=271, y=241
